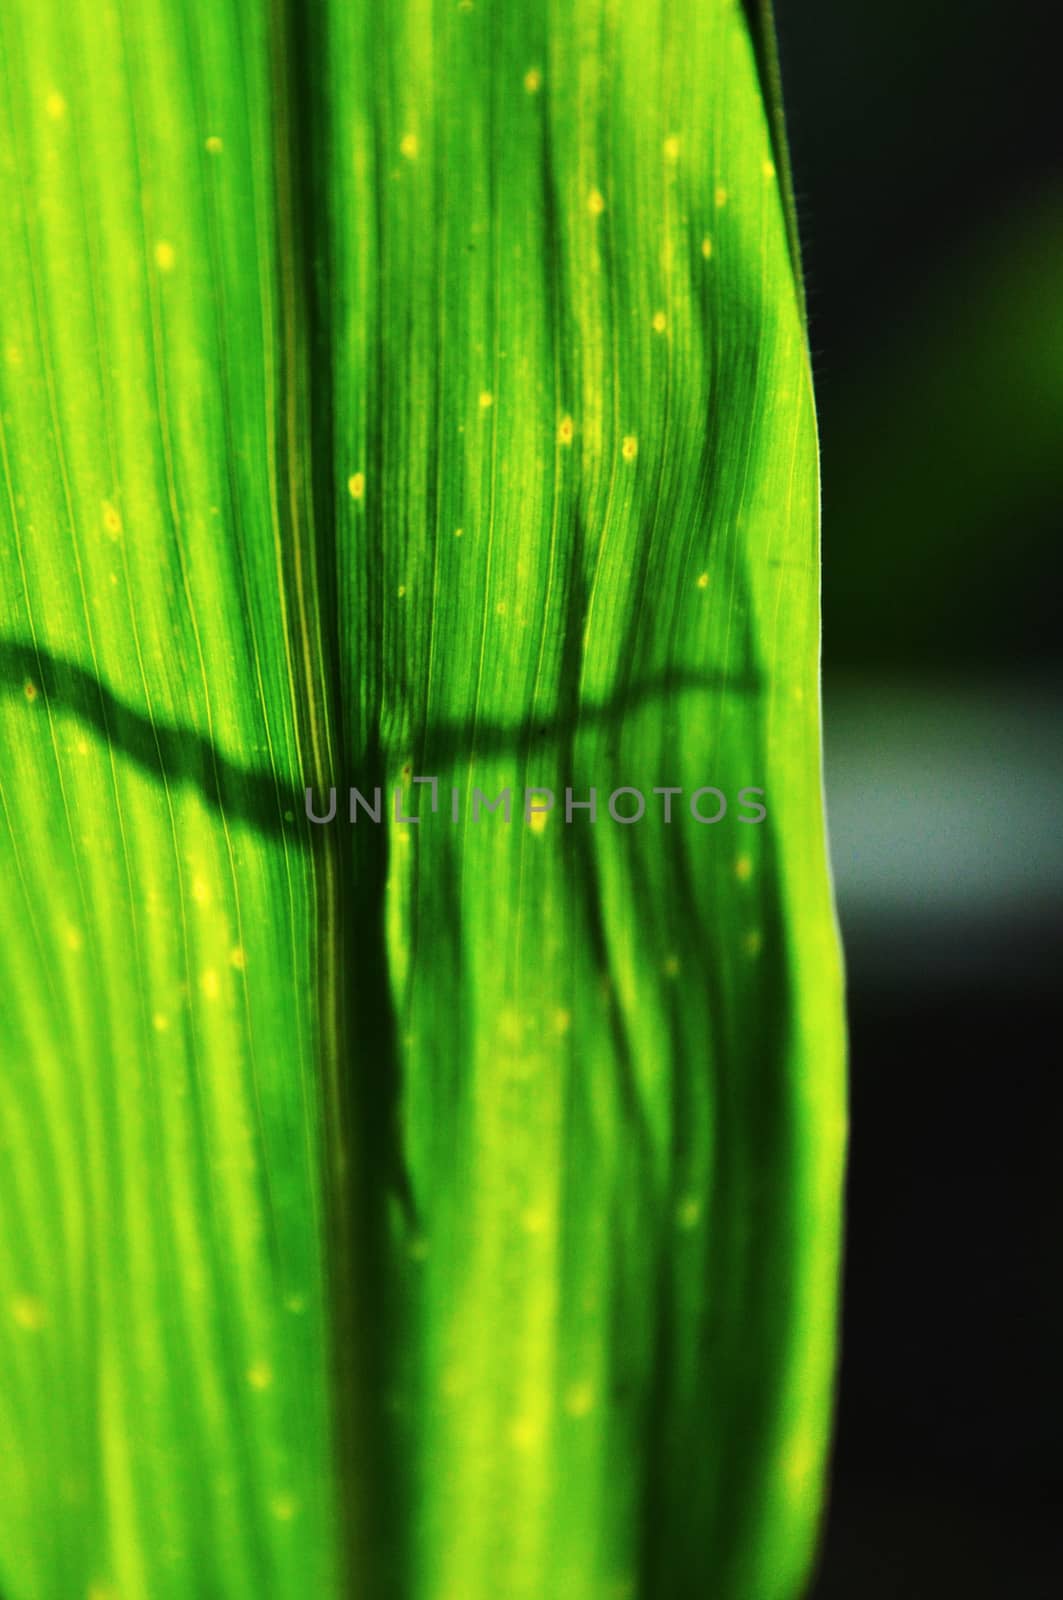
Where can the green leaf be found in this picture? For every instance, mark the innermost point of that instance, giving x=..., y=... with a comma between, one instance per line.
x=426, y=1208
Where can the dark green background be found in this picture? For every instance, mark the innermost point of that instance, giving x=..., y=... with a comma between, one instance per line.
x=927, y=152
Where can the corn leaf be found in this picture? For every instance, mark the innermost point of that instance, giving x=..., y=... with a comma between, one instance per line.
x=444, y=1206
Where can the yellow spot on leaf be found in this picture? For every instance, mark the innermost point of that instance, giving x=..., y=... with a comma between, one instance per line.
x=28, y=1313
x=753, y=942
x=356, y=485
x=703, y=580
x=688, y=1212
x=533, y=80
x=660, y=322
x=260, y=1376
x=743, y=869
x=401, y=591
x=160, y=1022
x=799, y=1463
x=768, y=169
x=209, y=984
x=562, y=1021
x=630, y=448
x=238, y=958
x=214, y=145
x=670, y=966
x=579, y=1399
x=112, y=519
x=535, y=1219
x=487, y=399
x=409, y=146
x=74, y=940
x=55, y=106
x=165, y=256
x=538, y=820
x=706, y=247
x=201, y=892
x=511, y=1025
x=671, y=147
x=565, y=430
x=30, y=690
x=458, y=532
x=283, y=1507
x=595, y=202
x=720, y=198
x=525, y=1433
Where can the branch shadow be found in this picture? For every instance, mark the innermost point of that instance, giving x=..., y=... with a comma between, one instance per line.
x=369, y=1081
x=254, y=796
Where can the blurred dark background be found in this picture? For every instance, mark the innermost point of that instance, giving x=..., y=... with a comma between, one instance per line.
x=927, y=146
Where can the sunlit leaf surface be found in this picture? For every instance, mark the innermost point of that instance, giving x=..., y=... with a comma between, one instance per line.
x=441, y=1208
